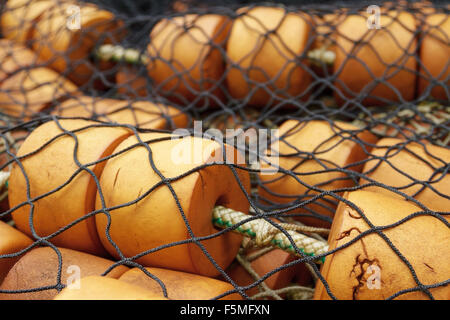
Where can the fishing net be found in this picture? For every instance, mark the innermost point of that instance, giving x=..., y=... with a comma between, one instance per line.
x=339, y=110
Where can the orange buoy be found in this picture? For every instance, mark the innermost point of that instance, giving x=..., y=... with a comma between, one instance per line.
x=52, y=167
x=406, y=166
x=12, y=241
x=369, y=269
x=435, y=56
x=263, y=49
x=28, y=92
x=185, y=57
x=39, y=268
x=101, y=288
x=315, y=151
x=156, y=220
x=14, y=57
x=377, y=65
x=180, y=285
x=65, y=47
x=143, y=114
x=129, y=82
x=19, y=17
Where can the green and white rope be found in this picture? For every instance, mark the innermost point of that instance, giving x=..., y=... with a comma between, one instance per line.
x=322, y=56
x=117, y=53
x=265, y=234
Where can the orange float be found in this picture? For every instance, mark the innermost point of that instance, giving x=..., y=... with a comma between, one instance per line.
x=263, y=50
x=66, y=49
x=29, y=92
x=14, y=57
x=100, y=288
x=39, y=268
x=53, y=166
x=143, y=114
x=365, y=56
x=19, y=17
x=185, y=57
x=405, y=163
x=130, y=83
x=369, y=269
x=12, y=241
x=180, y=285
x=155, y=220
x=262, y=265
x=333, y=146
x=435, y=56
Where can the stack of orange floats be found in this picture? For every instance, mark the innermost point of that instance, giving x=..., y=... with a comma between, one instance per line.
x=142, y=114
x=57, y=58
x=137, y=196
x=107, y=151
x=414, y=169
x=326, y=157
x=267, y=51
x=260, y=58
x=262, y=54
x=392, y=170
x=39, y=267
x=26, y=88
x=315, y=153
x=61, y=42
x=368, y=268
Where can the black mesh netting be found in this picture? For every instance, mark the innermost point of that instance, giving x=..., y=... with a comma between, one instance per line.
x=339, y=110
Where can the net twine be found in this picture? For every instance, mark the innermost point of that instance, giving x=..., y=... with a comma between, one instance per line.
x=257, y=230
x=264, y=233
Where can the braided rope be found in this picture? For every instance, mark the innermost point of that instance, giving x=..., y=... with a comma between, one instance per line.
x=263, y=233
x=435, y=113
x=322, y=56
x=117, y=53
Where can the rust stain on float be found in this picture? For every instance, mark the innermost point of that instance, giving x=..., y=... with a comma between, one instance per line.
x=346, y=233
x=363, y=270
x=353, y=213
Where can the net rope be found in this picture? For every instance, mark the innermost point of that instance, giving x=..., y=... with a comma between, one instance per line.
x=140, y=44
